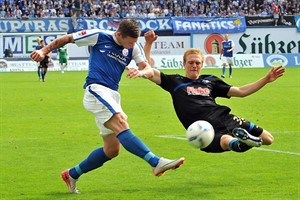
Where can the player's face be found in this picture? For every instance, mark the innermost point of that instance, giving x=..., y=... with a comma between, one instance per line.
x=193, y=66
x=226, y=37
x=128, y=42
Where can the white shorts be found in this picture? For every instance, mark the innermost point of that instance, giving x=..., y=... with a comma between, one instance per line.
x=227, y=60
x=103, y=102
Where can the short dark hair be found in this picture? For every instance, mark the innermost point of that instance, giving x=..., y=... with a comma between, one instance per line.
x=129, y=28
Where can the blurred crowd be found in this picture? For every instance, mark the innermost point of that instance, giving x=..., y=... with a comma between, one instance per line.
x=31, y=9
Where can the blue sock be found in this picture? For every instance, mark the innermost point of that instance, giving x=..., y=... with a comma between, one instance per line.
x=135, y=146
x=43, y=74
x=96, y=159
x=230, y=71
x=223, y=70
x=39, y=73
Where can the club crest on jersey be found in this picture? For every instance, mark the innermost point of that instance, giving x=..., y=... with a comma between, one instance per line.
x=198, y=91
x=82, y=33
x=125, y=52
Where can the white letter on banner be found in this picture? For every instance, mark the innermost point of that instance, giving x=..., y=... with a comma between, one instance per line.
x=103, y=24
x=52, y=26
x=230, y=25
x=163, y=24
x=63, y=25
x=26, y=26
x=178, y=25
x=39, y=26
x=3, y=24
x=91, y=24
x=186, y=26
x=148, y=24
x=196, y=26
x=142, y=25
x=206, y=26
x=297, y=62
x=16, y=25
x=224, y=24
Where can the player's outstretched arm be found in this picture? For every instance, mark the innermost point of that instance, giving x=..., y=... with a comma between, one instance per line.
x=246, y=90
x=150, y=37
x=39, y=55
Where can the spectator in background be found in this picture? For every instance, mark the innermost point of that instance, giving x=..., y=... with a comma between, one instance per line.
x=281, y=12
x=158, y=8
x=275, y=14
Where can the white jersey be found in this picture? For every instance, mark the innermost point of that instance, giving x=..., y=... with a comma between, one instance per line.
x=108, y=59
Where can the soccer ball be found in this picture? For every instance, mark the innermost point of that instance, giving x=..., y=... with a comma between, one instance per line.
x=200, y=134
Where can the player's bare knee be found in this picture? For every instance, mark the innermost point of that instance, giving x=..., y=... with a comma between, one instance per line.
x=267, y=138
x=117, y=123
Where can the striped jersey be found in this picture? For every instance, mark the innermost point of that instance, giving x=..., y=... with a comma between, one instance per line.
x=108, y=58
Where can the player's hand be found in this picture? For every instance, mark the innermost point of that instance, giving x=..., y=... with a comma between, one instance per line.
x=37, y=55
x=133, y=72
x=150, y=36
x=274, y=73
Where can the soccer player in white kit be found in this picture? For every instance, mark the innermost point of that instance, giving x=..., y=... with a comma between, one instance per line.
x=110, y=54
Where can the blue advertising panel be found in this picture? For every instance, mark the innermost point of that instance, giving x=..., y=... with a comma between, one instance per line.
x=285, y=60
x=176, y=25
x=37, y=25
x=208, y=25
x=297, y=21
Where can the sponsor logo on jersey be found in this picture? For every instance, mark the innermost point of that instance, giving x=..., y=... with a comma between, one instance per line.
x=198, y=91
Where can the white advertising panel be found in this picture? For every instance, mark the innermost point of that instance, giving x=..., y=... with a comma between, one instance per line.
x=210, y=61
x=253, y=41
x=164, y=45
x=24, y=66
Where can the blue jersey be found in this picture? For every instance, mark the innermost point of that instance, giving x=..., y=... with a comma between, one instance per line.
x=226, y=45
x=108, y=59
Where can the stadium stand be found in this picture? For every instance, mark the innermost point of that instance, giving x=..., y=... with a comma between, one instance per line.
x=30, y=9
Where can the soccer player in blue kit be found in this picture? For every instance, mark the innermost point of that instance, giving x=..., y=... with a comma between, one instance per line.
x=39, y=67
x=194, y=97
x=227, y=53
x=110, y=53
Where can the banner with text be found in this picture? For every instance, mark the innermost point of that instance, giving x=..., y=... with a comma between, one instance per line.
x=175, y=25
x=165, y=62
x=254, y=41
x=269, y=21
x=285, y=60
x=36, y=25
x=208, y=25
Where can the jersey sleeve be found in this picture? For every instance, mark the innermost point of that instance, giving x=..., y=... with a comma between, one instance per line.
x=167, y=82
x=138, y=54
x=232, y=43
x=86, y=37
x=220, y=88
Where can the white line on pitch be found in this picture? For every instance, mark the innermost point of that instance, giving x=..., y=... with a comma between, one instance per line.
x=261, y=149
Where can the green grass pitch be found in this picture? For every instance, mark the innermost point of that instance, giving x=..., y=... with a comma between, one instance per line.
x=45, y=129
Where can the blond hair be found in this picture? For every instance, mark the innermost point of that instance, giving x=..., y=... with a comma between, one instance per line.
x=192, y=51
